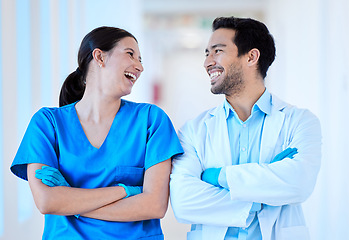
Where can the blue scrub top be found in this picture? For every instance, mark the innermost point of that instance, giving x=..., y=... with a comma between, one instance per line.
x=140, y=136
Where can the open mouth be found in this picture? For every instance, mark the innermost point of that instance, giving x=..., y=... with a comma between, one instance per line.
x=130, y=76
x=214, y=74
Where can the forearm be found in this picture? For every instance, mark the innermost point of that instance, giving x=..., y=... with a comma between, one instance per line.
x=288, y=181
x=151, y=204
x=67, y=200
x=198, y=202
x=140, y=207
x=71, y=201
x=276, y=184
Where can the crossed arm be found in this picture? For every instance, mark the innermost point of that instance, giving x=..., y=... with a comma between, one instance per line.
x=217, y=176
x=105, y=203
x=286, y=180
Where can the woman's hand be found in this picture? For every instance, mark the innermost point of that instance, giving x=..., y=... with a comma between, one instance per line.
x=51, y=177
x=152, y=203
x=63, y=200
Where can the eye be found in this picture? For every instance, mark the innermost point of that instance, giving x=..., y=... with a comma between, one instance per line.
x=218, y=50
x=130, y=53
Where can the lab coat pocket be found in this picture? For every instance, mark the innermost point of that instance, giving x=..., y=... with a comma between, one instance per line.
x=292, y=233
x=194, y=235
x=130, y=176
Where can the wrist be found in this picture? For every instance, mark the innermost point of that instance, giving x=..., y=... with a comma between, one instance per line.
x=123, y=188
x=222, y=178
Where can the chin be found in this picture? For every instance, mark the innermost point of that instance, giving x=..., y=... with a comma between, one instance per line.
x=216, y=89
x=125, y=93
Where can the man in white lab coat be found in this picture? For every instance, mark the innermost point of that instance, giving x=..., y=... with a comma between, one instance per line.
x=250, y=162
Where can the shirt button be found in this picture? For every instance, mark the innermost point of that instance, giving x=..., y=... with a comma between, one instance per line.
x=244, y=125
x=243, y=149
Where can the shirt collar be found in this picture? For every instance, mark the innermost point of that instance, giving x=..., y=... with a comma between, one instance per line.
x=263, y=104
x=227, y=108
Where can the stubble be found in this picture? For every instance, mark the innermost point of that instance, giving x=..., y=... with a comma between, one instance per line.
x=232, y=84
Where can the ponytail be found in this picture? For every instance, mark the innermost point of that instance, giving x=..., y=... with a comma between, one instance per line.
x=104, y=38
x=72, y=89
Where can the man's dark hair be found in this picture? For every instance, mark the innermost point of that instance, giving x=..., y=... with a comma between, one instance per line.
x=250, y=34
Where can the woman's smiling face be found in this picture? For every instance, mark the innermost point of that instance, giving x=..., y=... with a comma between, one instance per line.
x=122, y=67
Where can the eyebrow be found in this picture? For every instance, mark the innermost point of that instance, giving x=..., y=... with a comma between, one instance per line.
x=133, y=51
x=216, y=46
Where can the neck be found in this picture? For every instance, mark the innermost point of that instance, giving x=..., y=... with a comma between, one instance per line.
x=97, y=105
x=96, y=109
x=244, y=101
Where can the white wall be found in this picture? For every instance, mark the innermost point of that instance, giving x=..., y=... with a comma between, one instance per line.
x=39, y=45
x=312, y=71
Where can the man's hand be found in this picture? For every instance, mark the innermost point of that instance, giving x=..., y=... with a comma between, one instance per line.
x=287, y=153
x=210, y=175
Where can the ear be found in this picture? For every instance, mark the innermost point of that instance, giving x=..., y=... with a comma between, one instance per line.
x=253, y=57
x=98, y=57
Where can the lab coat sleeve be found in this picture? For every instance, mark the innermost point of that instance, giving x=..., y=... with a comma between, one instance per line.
x=197, y=202
x=289, y=180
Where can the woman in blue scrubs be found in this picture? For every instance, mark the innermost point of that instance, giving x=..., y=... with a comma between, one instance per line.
x=98, y=166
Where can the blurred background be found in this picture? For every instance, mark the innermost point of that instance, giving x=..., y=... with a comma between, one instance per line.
x=39, y=41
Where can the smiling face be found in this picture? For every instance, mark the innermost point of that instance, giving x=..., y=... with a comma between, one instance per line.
x=223, y=64
x=122, y=67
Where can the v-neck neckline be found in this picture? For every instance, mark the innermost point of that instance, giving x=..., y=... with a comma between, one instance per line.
x=82, y=132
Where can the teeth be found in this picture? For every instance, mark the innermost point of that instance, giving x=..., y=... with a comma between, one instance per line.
x=215, y=74
x=131, y=75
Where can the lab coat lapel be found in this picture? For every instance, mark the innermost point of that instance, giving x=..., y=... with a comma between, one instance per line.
x=271, y=130
x=217, y=141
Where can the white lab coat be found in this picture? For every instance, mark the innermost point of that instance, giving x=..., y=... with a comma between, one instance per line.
x=280, y=186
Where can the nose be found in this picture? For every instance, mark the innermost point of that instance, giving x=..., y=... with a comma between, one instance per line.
x=209, y=61
x=139, y=67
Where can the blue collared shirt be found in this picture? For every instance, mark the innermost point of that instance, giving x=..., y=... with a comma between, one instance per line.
x=245, y=141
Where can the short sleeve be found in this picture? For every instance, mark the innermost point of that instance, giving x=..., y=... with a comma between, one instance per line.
x=162, y=139
x=38, y=144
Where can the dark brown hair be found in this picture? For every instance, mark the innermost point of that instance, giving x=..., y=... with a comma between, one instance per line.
x=249, y=34
x=104, y=38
